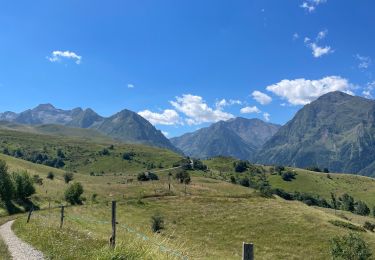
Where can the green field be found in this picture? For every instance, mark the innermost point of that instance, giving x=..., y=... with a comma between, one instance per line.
x=209, y=221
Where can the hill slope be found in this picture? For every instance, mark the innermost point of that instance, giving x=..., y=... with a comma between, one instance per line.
x=239, y=137
x=126, y=125
x=336, y=131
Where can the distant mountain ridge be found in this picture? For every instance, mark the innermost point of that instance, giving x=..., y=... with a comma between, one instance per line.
x=238, y=137
x=126, y=126
x=336, y=131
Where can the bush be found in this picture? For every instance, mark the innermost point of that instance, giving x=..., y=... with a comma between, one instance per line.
x=351, y=247
x=362, y=209
x=279, y=169
x=104, y=152
x=288, y=176
x=245, y=182
x=157, y=223
x=51, y=176
x=347, y=202
x=199, y=165
x=23, y=184
x=128, y=156
x=369, y=226
x=314, y=169
x=6, y=184
x=152, y=176
x=73, y=193
x=241, y=166
x=233, y=179
x=283, y=194
x=142, y=177
x=181, y=175
x=68, y=177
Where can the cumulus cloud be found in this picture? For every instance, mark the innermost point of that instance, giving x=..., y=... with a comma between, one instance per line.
x=266, y=116
x=311, y=5
x=303, y=91
x=131, y=86
x=248, y=110
x=364, y=62
x=197, y=110
x=261, y=97
x=167, y=117
x=295, y=36
x=59, y=55
x=224, y=103
x=318, y=51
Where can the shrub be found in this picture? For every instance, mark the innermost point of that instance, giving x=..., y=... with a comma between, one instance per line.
x=51, y=176
x=105, y=152
x=68, y=177
x=279, y=169
x=233, y=179
x=314, y=169
x=347, y=202
x=73, y=193
x=288, y=176
x=157, y=223
x=283, y=194
x=142, y=177
x=181, y=175
x=152, y=176
x=362, y=209
x=241, y=166
x=23, y=184
x=245, y=182
x=369, y=226
x=128, y=156
x=351, y=247
x=199, y=165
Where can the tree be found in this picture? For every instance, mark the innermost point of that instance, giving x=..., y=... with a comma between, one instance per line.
x=6, y=184
x=350, y=247
x=199, y=165
x=23, y=184
x=128, y=156
x=233, y=179
x=347, y=202
x=153, y=176
x=362, y=209
x=60, y=153
x=68, y=177
x=325, y=170
x=288, y=176
x=73, y=193
x=241, y=166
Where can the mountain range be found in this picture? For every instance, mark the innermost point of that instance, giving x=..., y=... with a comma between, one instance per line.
x=238, y=137
x=125, y=126
x=336, y=131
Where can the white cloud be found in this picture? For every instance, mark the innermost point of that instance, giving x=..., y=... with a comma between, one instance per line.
x=131, y=86
x=168, y=117
x=59, y=55
x=303, y=91
x=367, y=91
x=310, y=5
x=223, y=103
x=295, y=36
x=166, y=134
x=319, y=51
x=197, y=111
x=364, y=62
x=266, y=116
x=248, y=110
x=262, y=98
x=321, y=35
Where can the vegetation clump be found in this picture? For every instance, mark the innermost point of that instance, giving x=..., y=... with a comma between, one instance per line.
x=50, y=175
x=157, y=223
x=351, y=247
x=68, y=177
x=73, y=193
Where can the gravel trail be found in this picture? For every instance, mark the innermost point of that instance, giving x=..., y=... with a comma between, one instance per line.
x=18, y=249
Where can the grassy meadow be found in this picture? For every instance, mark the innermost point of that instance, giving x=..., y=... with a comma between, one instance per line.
x=209, y=221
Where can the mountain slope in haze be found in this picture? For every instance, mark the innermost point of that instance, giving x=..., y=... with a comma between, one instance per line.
x=238, y=137
x=125, y=126
x=336, y=131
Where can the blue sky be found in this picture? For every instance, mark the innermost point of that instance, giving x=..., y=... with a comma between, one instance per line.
x=175, y=61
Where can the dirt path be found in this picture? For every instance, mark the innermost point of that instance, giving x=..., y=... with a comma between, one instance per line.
x=18, y=249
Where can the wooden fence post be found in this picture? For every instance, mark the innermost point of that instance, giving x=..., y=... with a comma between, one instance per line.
x=247, y=251
x=62, y=216
x=112, y=240
x=30, y=212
